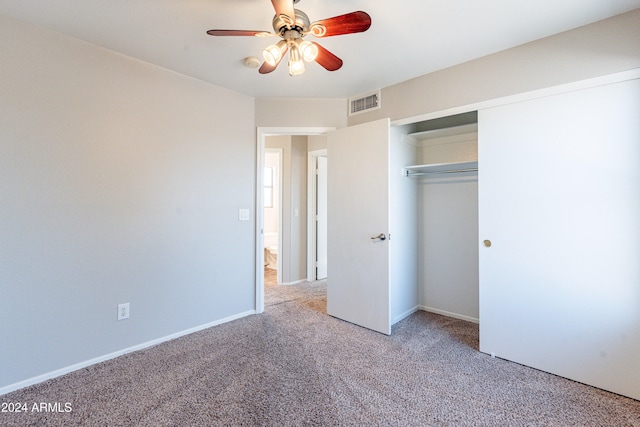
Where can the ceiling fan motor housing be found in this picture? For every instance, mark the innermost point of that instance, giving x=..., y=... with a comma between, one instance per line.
x=282, y=23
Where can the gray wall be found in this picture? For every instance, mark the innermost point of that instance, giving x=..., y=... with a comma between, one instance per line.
x=298, y=202
x=120, y=182
x=317, y=142
x=282, y=112
x=594, y=50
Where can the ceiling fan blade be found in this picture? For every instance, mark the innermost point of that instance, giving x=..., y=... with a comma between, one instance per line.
x=354, y=22
x=239, y=33
x=327, y=59
x=284, y=7
x=266, y=68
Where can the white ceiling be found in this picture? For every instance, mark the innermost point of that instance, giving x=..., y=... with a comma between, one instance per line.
x=406, y=39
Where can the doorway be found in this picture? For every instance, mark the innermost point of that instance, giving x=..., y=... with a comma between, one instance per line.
x=299, y=213
x=272, y=215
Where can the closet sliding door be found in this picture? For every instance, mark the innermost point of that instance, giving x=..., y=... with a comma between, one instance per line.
x=559, y=225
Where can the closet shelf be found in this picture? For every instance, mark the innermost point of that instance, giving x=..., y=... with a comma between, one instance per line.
x=450, y=131
x=440, y=168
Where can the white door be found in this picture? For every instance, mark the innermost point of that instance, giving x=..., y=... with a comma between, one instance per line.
x=358, y=211
x=321, y=218
x=558, y=201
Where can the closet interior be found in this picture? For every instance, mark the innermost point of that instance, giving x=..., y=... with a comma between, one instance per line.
x=445, y=178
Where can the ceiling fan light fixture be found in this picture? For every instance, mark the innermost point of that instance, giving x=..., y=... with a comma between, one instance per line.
x=296, y=64
x=296, y=68
x=273, y=54
x=308, y=50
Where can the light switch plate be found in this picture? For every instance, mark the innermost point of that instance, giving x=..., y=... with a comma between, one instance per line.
x=243, y=214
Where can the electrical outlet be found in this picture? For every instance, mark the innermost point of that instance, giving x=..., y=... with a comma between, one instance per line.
x=123, y=311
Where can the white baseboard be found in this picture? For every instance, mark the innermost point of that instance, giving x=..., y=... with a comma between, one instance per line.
x=404, y=315
x=297, y=282
x=450, y=314
x=99, y=359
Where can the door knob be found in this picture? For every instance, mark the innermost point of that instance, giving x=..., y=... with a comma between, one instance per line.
x=380, y=236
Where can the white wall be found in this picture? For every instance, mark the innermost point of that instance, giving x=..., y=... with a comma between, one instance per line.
x=599, y=49
x=559, y=181
x=120, y=182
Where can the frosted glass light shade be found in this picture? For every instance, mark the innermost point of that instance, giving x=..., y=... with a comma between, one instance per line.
x=273, y=54
x=296, y=65
x=308, y=50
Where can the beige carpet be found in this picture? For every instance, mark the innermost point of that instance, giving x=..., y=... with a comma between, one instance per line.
x=270, y=277
x=294, y=366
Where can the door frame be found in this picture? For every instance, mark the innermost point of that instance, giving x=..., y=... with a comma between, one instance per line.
x=311, y=210
x=261, y=134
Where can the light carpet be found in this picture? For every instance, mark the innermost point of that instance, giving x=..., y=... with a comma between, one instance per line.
x=296, y=366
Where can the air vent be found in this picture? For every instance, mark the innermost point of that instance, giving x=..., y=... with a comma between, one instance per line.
x=363, y=103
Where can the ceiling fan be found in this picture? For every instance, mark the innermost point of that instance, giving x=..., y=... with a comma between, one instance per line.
x=292, y=25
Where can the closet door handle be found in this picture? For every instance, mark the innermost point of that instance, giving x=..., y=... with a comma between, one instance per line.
x=380, y=236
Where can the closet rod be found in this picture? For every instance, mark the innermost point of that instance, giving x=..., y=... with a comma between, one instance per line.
x=409, y=174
